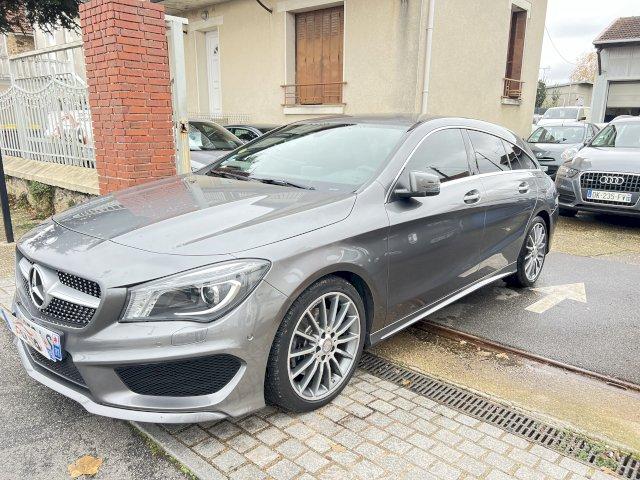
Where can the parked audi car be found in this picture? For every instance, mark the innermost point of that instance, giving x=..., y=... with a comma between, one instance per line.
x=605, y=175
x=549, y=143
x=208, y=142
x=262, y=277
x=246, y=133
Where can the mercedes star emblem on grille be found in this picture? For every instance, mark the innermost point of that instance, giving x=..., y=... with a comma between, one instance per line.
x=37, y=291
x=611, y=180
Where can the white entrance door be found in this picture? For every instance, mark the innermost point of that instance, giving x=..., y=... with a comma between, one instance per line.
x=213, y=71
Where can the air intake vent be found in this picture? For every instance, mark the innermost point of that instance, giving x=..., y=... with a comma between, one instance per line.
x=185, y=378
x=65, y=369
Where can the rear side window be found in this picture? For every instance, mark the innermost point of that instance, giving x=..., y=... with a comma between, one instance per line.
x=518, y=159
x=442, y=153
x=489, y=152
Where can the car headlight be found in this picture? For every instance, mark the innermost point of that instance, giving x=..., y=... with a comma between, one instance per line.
x=568, y=154
x=200, y=295
x=565, y=171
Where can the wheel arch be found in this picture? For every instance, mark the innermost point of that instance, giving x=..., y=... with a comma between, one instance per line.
x=546, y=217
x=374, y=304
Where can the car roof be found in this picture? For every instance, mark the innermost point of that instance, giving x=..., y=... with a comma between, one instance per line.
x=625, y=119
x=253, y=125
x=430, y=122
x=568, y=124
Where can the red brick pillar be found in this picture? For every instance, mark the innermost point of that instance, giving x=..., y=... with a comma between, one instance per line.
x=126, y=54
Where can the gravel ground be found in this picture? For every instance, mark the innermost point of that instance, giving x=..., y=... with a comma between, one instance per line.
x=590, y=235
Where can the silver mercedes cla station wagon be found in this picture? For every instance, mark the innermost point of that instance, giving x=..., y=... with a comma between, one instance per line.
x=261, y=278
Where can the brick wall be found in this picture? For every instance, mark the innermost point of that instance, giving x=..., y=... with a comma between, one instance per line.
x=126, y=55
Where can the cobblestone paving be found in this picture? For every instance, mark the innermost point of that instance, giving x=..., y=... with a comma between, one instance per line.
x=374, y=430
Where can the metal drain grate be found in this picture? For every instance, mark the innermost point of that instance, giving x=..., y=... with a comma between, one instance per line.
x=502, y=416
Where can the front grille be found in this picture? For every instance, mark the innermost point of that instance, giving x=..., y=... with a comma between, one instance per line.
x=59, y=311
x=630, y=184
x=65, y=368
x=184, y=378
x=79, y=283
x=70, y=313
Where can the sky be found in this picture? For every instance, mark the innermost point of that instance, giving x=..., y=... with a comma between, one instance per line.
x=573, y=25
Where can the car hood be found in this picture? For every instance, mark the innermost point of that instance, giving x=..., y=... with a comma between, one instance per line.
x=608, y=159
x=551, y=150
x=202, y=215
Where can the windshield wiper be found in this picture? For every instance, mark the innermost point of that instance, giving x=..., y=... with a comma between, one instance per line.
x=284, y=183
x=234, y=176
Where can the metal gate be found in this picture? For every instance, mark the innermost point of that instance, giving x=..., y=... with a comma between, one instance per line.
x=44, y=115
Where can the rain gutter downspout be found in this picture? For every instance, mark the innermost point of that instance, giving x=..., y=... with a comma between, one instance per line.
x=427, y=56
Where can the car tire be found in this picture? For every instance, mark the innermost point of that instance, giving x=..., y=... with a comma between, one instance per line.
x=534, y=248
x=567, y=212
x=288, y=384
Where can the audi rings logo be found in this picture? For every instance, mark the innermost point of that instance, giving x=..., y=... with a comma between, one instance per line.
x=611, y=180
x=37, y=291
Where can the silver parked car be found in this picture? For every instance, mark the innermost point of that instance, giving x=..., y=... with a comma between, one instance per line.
x=262, y=278
x=208, y=142
x=552, y=144
x=604, y=176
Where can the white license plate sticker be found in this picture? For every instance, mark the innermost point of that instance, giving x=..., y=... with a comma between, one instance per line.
x=608, y=196
x=42, y=340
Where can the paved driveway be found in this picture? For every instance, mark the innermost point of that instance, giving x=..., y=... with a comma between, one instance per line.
x=600, y=335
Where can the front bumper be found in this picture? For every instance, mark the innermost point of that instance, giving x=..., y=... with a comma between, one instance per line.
x=245, y=333
x=571, y=197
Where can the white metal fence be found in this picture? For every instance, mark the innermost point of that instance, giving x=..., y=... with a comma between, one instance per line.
x=44, y=115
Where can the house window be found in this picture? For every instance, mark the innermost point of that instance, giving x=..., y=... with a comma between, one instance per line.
x=515, y=54
x=318, y=67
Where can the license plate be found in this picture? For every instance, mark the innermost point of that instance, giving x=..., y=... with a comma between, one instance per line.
x=42, y=340
x=609, y=196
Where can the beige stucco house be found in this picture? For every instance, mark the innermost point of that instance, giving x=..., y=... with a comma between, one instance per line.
x=314, y=57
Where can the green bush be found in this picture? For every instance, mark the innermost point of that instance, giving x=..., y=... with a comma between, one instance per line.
x=42, y=199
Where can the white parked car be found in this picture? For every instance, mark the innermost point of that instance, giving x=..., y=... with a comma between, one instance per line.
x=562, y=115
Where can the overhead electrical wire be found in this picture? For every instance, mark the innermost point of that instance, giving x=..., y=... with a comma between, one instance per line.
x=556, y=48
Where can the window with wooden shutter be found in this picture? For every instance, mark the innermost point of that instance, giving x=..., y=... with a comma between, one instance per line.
x=319, y=44
x=515, y=54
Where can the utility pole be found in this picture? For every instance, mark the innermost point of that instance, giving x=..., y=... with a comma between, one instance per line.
x=4, y=198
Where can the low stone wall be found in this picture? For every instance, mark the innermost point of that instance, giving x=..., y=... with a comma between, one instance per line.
x=48, y=188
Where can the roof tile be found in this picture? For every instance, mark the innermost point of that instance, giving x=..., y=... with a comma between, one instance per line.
x=623, y=29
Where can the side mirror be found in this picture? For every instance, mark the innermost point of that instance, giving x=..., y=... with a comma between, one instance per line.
x=421, y=184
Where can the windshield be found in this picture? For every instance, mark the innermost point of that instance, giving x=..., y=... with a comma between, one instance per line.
x=557, y=134
x=328, y=156
x=561, y=114
x=209, y=136
x=620, y=135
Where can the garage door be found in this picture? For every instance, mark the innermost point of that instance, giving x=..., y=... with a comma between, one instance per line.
x=624, y=94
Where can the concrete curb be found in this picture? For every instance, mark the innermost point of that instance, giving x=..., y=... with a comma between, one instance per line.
x=176, y=450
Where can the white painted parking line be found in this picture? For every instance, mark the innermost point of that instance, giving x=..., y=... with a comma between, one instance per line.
x=556, y=294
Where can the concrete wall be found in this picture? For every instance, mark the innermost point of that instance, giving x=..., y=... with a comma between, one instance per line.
x=469, y=61
x=618, y=63
x=569, y=95
x=383, y=58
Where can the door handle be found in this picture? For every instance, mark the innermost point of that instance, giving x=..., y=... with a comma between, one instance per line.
x=523, y=187
x=472, y=197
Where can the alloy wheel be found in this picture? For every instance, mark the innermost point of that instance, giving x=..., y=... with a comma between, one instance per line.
x=324, y=346
x=536, y=249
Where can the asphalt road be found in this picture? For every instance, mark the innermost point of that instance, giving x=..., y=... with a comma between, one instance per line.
x=601, y=335
x=42, y=432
